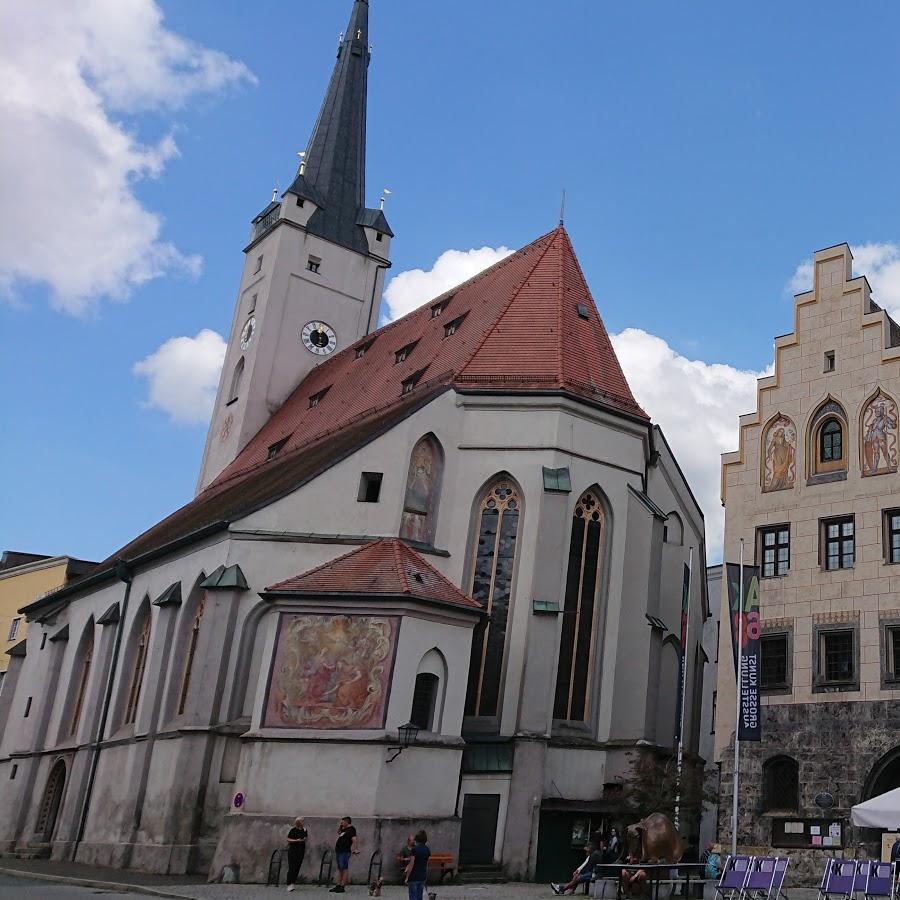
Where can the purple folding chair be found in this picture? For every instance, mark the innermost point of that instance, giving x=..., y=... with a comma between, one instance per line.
x=880, y=879
x=839, y=879
x=733, y=877
x=861, y=876
x=765, y=878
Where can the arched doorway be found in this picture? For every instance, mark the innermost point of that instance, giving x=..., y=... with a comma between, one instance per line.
x=46, y=821
x=885, y=775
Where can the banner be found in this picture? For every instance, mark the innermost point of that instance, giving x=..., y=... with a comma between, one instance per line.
x=746, y=623
x=682, y=671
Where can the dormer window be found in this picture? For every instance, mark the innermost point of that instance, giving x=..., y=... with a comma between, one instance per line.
x=362, y=349
x=312, y=264
x=318, y=397
x=277, y=447
x=452, y=327
x=403, y=353
x=438, y=308
x=409, y=383
x=582, y=311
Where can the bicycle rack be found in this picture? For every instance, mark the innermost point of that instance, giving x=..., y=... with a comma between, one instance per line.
x=375, y=867
x=325, y=867
x=275, y=862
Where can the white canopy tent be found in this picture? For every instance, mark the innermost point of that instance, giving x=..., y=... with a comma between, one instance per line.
x=882, y=811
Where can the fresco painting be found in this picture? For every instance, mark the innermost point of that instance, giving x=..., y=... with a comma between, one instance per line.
x=780, y=458
x=879, y=436
x=331, y=671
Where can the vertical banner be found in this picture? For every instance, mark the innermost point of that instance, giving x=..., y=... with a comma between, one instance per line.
x=682, y=672
x=745, y=624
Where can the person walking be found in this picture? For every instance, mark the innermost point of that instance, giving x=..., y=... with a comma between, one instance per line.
x=296, y=851
x=417, y=867
x=344, y=847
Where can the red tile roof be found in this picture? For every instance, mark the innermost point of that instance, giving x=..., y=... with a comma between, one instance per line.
x=386, y=567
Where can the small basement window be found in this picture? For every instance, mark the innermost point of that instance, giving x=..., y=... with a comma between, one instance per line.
x=370, y=487
x=277, y=447
x=312, y=264
x=829, y=361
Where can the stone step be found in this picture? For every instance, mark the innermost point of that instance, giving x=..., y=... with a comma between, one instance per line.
x=486, y=874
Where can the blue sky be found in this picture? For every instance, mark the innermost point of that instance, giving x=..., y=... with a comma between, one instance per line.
x=706, y=150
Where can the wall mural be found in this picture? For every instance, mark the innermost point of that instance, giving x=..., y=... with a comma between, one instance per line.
x=331, y=671
x=879, y=436
x=423, y=486
x=780, y=458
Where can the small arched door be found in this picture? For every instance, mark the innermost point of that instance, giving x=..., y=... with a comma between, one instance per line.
x=46, y=821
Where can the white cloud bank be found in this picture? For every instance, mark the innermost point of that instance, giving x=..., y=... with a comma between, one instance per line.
x=68, y=165
x=183, y=376
x=879, y=262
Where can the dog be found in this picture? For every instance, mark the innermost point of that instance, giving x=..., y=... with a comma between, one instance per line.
x=375, y=888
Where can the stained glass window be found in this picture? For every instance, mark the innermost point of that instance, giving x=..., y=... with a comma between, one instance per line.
x=137, y=677
x=191, y=652
x=576, y=649
x=495, y=555
x=84, y=675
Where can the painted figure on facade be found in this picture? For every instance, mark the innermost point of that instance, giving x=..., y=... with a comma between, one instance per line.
x=879, y=434
x=331, y=672
x=423, y=484
x=780, y=460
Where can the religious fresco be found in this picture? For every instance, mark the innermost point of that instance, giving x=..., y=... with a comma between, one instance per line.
x=423, y=486
x=780, y=455
x=331, y=671
x=879, y=436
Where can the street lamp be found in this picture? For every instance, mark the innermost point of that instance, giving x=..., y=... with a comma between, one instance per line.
x=408, y=734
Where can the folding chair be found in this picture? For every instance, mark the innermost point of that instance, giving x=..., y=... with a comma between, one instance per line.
x=765, y=878
x=881, y=879
x=839, y=879
x=733, y=877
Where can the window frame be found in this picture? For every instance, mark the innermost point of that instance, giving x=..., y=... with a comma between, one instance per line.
x=887, y=536
x=770, y=790
x=786, y=686
x=313, y=264
x=761, y=548
x=820, y=683
x=365, y=480
x=890, y=660
x=824, y=540
x=14, y=627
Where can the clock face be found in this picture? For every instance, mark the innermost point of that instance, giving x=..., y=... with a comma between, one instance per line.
x=318, y=338
x=247, y=332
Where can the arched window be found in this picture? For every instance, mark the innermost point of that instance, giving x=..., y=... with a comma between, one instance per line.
x=576, y=650
x=189, y=656
x=50, y=803
x=424, y=699
x=827, y=441
x=423, y=491
x=781, y=784
x=830, y=441
x=673, y=530
x=492, y=572
x=83, y=673
x=236, y=380
x=137, y=674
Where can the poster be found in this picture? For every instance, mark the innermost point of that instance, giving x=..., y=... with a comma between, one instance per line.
x=746, y=624
x=888, y=840
x=331, y=671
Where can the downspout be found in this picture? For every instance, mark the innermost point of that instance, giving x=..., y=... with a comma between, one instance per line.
x=123, y=573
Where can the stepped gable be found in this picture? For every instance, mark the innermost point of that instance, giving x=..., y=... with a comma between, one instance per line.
x=386, y=567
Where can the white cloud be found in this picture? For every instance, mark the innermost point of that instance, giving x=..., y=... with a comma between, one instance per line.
x=67, y=167
x=183, y=376
x=879, y=262
x=410, y=289
x=697, y=404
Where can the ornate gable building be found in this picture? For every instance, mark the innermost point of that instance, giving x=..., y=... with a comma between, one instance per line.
x=813, y=492
x=462, y=520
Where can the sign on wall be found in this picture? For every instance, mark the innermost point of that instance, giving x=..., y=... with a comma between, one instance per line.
x=331, y=671
x=746, y=624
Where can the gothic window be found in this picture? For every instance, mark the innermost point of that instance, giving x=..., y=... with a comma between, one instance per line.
x=424, y=698
x=576, y=650
x=137, y=674
x=83, y=674
x=49, y=808
x=423, y=490
x=781, y=784
x=495, y=556
x=236, y=379
x=828, y=442
x=191, y=651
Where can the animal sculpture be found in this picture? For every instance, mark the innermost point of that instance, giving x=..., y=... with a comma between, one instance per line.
x=654, y=840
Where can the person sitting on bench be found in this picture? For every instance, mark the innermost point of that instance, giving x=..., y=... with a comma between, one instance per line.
x=632, y=882
x=583, y=874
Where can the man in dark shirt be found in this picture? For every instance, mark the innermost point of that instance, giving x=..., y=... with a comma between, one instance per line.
x=344, y=847
x=417, y=867
x=583, y=874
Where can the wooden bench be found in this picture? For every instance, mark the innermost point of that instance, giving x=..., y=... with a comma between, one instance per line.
x=443, y=862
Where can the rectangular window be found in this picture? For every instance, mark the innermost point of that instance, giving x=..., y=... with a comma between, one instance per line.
x=13, y=629
x=252, y=303
x=774, y=661
x=836, y=663
x=452, y=327
x=774, y=550
x=27, y=708
x=712, y=721
x=379, y=236
x=829, y=361
x=403, y=353
x=312, y=264
x=438, y=308
x=258, y=268
x=582, y=311
x=12, y=771
x=369, y=487
x=838, y=543
x=892, y=652
x=891, y=531
x=43, y=640
x=410, y=383
x=300, y=202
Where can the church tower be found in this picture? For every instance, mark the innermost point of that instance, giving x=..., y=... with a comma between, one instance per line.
x=314, y=268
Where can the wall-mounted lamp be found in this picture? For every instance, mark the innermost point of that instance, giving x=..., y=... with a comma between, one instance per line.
x=408, y=734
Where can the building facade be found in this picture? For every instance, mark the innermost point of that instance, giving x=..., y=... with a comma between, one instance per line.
x=812, y=493
x=461, y=521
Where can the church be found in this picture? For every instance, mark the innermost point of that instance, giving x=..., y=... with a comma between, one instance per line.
x=432, y=576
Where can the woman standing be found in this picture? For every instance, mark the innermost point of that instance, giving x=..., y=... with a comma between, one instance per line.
x=296, y=851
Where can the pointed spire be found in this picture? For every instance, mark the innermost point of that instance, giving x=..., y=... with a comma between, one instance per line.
x=333, y=172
